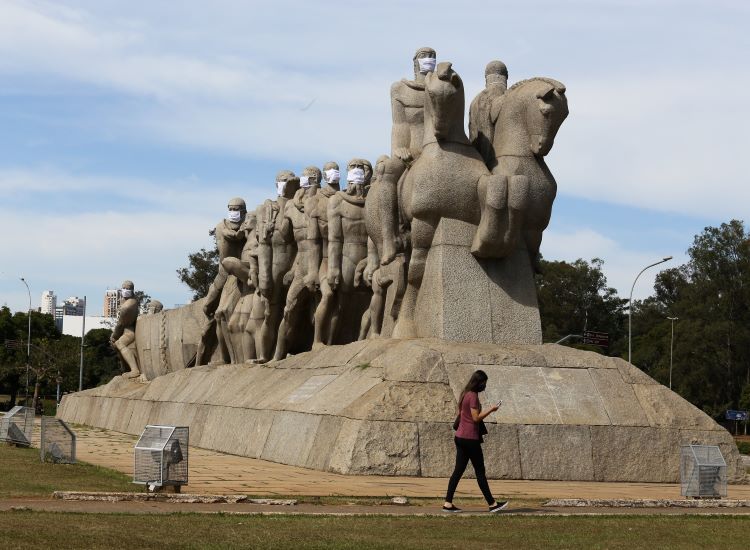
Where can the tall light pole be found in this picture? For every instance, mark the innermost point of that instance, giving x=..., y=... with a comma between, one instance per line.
x=671, y=349
x=83, y=335
x=28, y=344
x=630, y=305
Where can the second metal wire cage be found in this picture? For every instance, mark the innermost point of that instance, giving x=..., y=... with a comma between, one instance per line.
x=703, y=471
x=161, y=456
x=58, y=442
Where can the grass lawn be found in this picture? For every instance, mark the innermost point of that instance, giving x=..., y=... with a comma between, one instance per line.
x=22, y=474
x=23, y=529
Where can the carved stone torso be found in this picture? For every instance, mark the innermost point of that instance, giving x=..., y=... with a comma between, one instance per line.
x=228, y=241
x=352, y=211
x=127, y=314
x=319, y=213
x=480, y=122
x=410, y=94
x=295, y=213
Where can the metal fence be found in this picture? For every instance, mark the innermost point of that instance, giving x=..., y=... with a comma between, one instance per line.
x=58, y=442
x=16, y=426
x=161, y=456
x=703, y=471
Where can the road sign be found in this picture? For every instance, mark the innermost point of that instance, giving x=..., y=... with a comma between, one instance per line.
x=594, y=338
x=737, y=415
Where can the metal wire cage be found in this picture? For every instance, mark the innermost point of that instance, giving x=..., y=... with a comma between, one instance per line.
x=703, y=471
x=58, y=442
x=16, y=426
x=161, y=456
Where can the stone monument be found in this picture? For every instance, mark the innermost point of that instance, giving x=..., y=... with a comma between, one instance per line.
x=430, y=262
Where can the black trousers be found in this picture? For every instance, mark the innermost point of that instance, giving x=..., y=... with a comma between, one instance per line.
x=466, y=450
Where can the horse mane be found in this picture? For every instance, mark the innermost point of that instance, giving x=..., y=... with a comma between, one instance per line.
x=559, y=86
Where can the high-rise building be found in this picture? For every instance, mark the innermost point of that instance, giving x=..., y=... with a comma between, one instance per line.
x=74, y=306
x=111, y=302
x=48, y=302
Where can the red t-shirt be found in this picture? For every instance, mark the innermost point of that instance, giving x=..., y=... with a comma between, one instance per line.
x=467, y=428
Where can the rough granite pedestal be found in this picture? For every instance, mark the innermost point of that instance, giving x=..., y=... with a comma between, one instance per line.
x=385, y=407
x=469, y=300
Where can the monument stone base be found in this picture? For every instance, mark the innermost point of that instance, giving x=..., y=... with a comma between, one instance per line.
x=385, y=407
x=470, y=300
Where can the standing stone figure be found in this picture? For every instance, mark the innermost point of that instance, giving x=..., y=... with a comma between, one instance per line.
x=316, y=210
x=245, y=269
x=230, y=241
x=481, y=129
x=381, y=277
x=347, y=244
x=276, y=252
x=407, y=135
x=298, y=295
x=123, y=336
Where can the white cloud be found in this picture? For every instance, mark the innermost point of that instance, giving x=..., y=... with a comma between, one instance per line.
x=662, y=142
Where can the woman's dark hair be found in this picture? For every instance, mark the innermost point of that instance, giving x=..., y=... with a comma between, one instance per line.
x=476, y=383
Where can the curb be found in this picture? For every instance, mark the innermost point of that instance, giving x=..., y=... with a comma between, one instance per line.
x=176, y=498
x=646, y=503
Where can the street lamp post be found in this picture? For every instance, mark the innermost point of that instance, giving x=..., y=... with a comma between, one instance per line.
x=28, y=344
x=630, y=305
x=671, y=350
x=83, y=335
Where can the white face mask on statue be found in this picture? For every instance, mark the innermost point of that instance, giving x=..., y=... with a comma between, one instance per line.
x=304, y=182
x=333, y=176
x=234, y=215
x=427, y=64
x=355, y=176
x=126, y=293
x=280, y=186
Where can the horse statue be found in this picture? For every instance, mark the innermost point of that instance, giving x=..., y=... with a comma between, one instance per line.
x=450, y=179
x=442, y=183
x=526, y=120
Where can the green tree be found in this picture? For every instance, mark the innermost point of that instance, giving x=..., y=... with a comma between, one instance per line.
x=574, y=297
x=203, y=266
x=710, y=295
x=144, y=300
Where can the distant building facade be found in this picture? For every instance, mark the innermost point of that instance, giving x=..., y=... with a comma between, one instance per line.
x=48, y=302
x=71, y=307
x=111, y=302
x=74, y=306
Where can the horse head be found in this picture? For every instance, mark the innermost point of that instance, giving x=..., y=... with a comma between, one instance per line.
x=444, y=106
x=528, y=117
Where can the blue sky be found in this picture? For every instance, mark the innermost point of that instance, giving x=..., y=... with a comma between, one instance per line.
x=126, y=126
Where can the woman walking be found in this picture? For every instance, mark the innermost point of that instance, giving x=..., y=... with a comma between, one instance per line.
x=469, y=442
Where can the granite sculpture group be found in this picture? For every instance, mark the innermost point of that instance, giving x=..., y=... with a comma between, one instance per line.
x=314, y=266
x=343, y=323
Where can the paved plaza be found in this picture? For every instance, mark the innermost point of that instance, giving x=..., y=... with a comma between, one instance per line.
x=217, y=473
